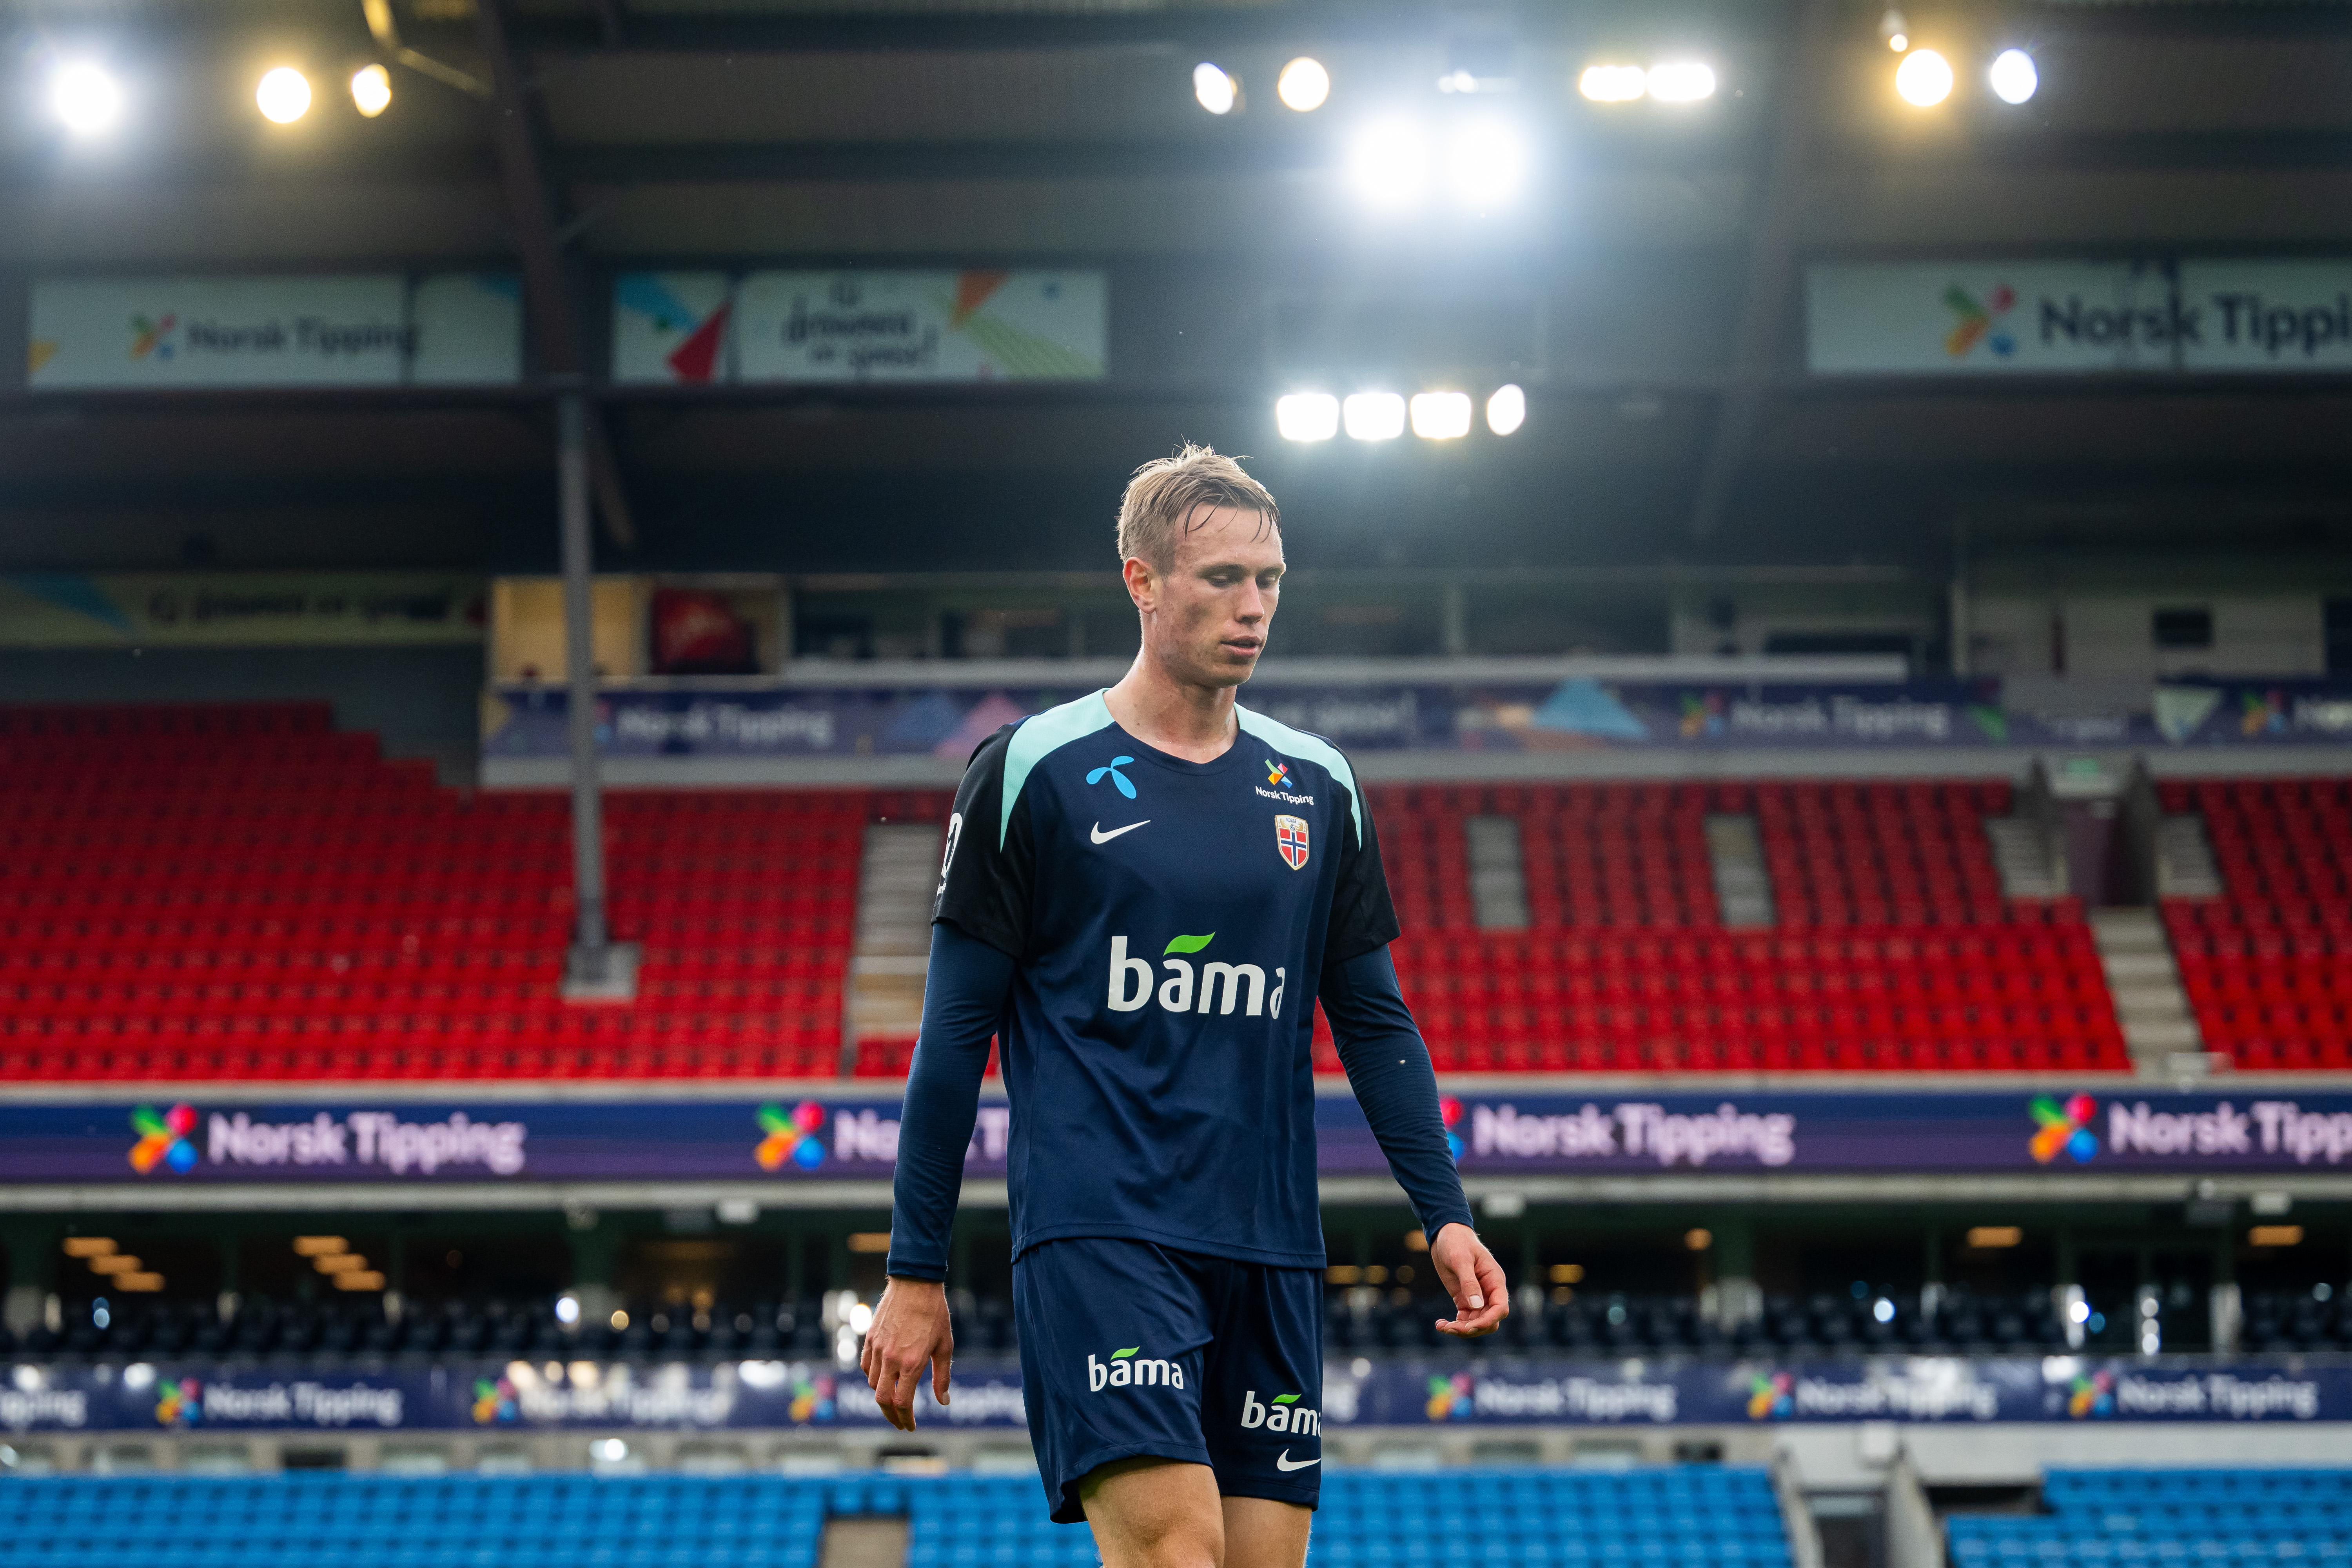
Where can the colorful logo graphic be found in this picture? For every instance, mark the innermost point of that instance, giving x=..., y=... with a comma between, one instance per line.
x=1979, y=324
x=694, y=356
x=151, y=337
x=2092, y=1395
x=494, y=1402
x=792, y=1137
x=1449, y=1110
x=1771, y=1398
x=1450, y=1398
x=163, y=1140
x=2063, y=1128
x=1276, y=773
x=812, y=1400
x=180, y=1404
x=2265, y=712
x=1117, y=777
x=1701, y=715
x=1290, y=837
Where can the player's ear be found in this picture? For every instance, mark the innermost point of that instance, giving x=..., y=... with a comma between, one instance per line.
x=1142, y=582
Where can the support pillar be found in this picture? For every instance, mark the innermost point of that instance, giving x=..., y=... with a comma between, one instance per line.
x=589, y=946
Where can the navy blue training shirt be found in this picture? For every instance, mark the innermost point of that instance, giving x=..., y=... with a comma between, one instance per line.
x=1169, y=921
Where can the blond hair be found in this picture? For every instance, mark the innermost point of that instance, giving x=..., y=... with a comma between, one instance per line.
x=1169, y=493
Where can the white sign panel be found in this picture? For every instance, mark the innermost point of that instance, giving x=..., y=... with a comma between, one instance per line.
x=670, y=327
x=364, y=330
x=2268, y=315
x=923, y=326
x=1989, y=318
x=468, y=330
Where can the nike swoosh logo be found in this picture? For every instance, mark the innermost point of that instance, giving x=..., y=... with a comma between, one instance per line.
x=1287, y=1463
x=1099, y=836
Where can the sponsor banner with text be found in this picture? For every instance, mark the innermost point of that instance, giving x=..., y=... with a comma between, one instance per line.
x=2063, y=317
x=477, y=1396
x=161, y=1140
x=359, y=330
x=527, y=720
x=238, y=609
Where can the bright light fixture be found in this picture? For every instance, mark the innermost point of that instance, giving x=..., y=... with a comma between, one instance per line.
x=1486, y=164
x=1217, y=91
x=1441, y=415
x=2013, y=77
x=284, y=95
x=1506, y=410
x=1895, y=30
x=1923, y=79
x=85, y=98
x=371, y=90
x=1613, y=84
x=1374, y=416
x=1306, y=417
x=1390, y=163
x=1304, y=84
x=1681, y=82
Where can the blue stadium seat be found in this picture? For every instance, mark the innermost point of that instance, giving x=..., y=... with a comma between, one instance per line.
x=2127, y=1519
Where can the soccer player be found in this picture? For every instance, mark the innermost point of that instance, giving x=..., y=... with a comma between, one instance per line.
x=1145, y=893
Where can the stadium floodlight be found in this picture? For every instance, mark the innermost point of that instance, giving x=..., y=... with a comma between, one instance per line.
x=1441, y=415
x=1374, y=416
x=2013, y=77
x=85, y=98
x=1216, y=87
x=1681, y=82
x=371, y=91
x=1894, y=31
x=1506, y=410
x=1486, y=164
x=1613, y=84
x=284, y=95
x=1306, y=417
x=1923, y=79
x=1389, y=164
x=1304, y=84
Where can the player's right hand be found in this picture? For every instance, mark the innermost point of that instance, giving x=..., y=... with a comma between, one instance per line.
x=910, y=1332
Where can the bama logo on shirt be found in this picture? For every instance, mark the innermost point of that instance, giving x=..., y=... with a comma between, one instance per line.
x=1125, y=1371
x=1283, y=1413
x=1221, y=986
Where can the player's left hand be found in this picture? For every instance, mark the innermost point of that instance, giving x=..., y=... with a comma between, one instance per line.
x=1472, y=1276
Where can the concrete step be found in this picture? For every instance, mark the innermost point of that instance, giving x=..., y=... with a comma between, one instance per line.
x=2152, y=1039
x=1498, y=873
x=1743, y=888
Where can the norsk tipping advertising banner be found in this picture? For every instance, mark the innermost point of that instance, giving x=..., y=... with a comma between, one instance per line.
x=2028, y=318
x=461, y=1396
x=166, y=1141
x=528, y=721
x=353, y=329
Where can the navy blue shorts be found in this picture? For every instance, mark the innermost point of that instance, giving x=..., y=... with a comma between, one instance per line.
x=1129, y=1348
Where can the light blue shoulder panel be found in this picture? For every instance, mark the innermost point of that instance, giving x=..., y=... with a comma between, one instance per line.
x=1048, y=732
x=1307, y=748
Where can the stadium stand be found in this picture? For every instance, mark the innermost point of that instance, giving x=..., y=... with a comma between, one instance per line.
x=230, y=893
x=2267, y=965
x=255, y=896
x=1894, y=948
x=1687, y=1514
x=2100, y=1516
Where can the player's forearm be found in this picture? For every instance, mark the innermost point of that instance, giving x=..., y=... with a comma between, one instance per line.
x=1388, y=1067
x=963, y=996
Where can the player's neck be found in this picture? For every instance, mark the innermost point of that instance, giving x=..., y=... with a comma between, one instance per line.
x=1170, y=714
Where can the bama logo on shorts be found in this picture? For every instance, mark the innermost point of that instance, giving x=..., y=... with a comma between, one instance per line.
x=1283, y=1413
x=1124, y=1370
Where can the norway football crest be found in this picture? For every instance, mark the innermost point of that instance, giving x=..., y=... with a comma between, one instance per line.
x=1290, y=837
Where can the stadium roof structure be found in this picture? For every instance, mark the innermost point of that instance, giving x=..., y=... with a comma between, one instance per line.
x=1660, y=252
